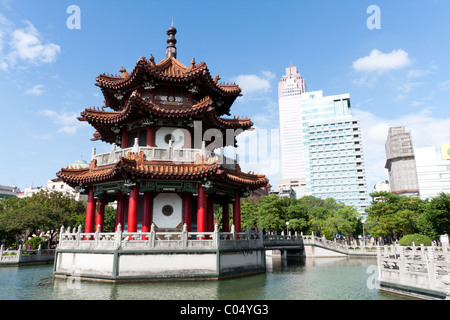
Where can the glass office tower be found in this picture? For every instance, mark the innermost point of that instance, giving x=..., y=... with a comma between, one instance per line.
x=323, y=146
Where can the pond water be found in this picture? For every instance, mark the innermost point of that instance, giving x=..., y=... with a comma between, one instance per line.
x=292, y=279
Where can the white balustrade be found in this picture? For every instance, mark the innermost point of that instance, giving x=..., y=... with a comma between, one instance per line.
x=178, y=156
x=23, y=256
x=422, y=267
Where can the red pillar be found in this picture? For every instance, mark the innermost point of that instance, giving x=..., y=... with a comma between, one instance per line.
x=226, y=217
x=100, y=212
x=147, y=211
x=120, y=216
x=124, y=139
x=210, y=213
x=133, y=203
x=90, y=211
x=151, y=136
x=201, y=209
x=237, y=212
x=187, y=208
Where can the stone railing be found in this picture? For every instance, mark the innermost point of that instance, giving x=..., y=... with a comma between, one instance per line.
x=164, y=154
x=184, y=240
x=422, y=269
x=274, y=239
x=22, y=256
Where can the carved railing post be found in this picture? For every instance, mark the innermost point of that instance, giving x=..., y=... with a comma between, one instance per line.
x=78, y=237
x=216, y=239
x=152, y=235
x=19, y=253
x=97, y=235
x=184, y=236
x=118, y=237
x=61, y=231
x=431, y=266
x=401, y=263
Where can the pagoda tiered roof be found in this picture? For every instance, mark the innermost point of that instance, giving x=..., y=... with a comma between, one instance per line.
x=137, y=109
x=138, y=166
x=169, y=71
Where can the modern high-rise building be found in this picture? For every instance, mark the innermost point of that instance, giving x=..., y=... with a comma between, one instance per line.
x=290, y=90
x=433, y=170
x=400, y=162
x=321, y=144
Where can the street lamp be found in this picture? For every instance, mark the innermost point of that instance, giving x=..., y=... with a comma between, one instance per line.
x=287, y=227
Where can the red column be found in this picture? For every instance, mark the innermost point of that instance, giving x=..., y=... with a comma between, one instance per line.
x=226, y=217
x=210, y=213
x=100, y=212
x=237, y=212
x=147, y=211
x=120, y=216
x=90, y=211
x=201, y=209
x=124, y=139
x=133, y=203
x=151, y=136
x=187, y=207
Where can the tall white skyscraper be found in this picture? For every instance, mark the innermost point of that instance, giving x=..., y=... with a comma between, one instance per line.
x=321, y=144
x=290, y=90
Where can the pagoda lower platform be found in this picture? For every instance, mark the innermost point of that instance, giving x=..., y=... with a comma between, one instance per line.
x=159, y=255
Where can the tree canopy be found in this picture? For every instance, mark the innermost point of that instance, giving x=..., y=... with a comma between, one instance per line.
x=308, y=214
x=42, y=212
x=395, y=216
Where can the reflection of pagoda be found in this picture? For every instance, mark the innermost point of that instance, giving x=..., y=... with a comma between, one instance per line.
x=167, y=119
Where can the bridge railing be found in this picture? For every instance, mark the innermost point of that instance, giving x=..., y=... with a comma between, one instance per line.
x=272, y=239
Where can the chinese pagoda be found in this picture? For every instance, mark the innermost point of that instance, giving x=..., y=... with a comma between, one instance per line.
x=165, y=122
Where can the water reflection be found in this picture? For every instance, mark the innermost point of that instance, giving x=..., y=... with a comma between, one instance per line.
x=292, y=279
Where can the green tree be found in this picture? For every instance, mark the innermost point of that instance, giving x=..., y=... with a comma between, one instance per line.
x=435, y=218
x=43, y=212
x=392, y=215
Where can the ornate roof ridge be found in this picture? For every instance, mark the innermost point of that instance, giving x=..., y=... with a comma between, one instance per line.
x=137, y=165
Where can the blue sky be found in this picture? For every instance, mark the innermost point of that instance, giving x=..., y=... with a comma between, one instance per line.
x=396, y=75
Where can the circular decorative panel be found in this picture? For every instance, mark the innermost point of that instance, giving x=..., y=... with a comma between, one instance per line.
x=165, y=134
x=167, y=210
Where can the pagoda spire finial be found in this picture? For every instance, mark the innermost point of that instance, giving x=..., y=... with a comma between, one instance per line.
x=171, y=50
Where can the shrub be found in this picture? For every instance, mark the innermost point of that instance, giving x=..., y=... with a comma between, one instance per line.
x=418, y=239
x=35, y=242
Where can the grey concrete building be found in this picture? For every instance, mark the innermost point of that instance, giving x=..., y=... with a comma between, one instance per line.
x=400, y=162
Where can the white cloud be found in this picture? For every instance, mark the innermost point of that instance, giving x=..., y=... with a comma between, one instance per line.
x=36, y=90
x=251, y=83
x=24, y=45
x=381, y=62
x=67, y=121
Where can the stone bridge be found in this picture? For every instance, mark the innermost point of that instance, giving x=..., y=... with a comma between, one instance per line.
x=313, y=246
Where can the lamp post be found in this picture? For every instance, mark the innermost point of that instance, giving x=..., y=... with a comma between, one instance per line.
x=287, y=228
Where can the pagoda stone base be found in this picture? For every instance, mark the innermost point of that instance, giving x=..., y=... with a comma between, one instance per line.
x=121, y=256
x=123, y=265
